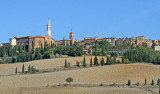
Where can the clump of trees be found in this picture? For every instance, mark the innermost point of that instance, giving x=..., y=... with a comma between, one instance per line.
x=24, y=53
x=31, y=70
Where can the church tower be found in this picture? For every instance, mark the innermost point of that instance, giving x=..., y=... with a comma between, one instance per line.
x=48, y=28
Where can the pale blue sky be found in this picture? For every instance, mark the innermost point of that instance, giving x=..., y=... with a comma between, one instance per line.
x=86, y=18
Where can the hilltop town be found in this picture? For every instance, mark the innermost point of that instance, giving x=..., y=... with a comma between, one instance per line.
x=39, y=40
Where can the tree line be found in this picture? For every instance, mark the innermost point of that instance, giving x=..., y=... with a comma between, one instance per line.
x=20, y=53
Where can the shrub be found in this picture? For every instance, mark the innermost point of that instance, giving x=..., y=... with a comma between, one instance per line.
x=126, y=61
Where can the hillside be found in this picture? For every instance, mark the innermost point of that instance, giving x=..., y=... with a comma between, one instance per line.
x=118, y=74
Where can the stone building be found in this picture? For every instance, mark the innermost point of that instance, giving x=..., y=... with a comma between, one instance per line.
x=35, y=41
x=111, y=40
x=66, y=41
x=89, y=40
x=157, y=48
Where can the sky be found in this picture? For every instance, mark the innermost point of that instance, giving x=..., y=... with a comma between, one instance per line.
x=86, y=18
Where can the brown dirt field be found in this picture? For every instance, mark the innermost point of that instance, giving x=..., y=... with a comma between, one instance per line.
x=118, y=74
x=9, y=69
x=85, y=90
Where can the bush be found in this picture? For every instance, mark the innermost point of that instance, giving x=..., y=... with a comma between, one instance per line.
x=126, y=61
x=33, y=70
x=69, y=80
x=14, y=59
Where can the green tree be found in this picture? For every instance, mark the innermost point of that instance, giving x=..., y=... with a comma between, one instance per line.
x=23, y=69
x=138, y=83
x=103, y=51
x=158, y=82
x=84, y=62
x=13, y=59
x=3, y=51
x=152, y=82
x=95, y=49
x=129, y=82
x=96, y=61
x=65, y=64
x=9, y=50
x=69, y=80
x=108, y=61
x=122, y=59
x=70, y=42
x=91, y=62
x=126, y=61
x=16, y=70
x=29, y=68
x=102, y=61
x=145, y=81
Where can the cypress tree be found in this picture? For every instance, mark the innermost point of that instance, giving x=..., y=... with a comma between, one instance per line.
x=65, y=65
x=129, y=82
x=28, y=48
x=152, y=82
x=0, y=52
x=103, y=50
x=84, y=62
x=33, y=48
x=70, y=42
x=108, y=61
x=29, y=68
x=9, y=50
x=122, y=59
x=91, y=62
x=102, y=61
x=16, y=70
x=96, y=49
x=23, y=68
x=158, y=82
x=96, y=61
x=145, y=81
x=3, y=51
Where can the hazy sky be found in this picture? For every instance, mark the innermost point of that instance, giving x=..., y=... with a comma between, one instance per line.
x=86, y=18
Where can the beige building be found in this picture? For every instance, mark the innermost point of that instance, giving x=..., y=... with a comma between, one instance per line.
x=89, y=40
x=67, y=41
x=111, y=40
x=157, y=48
x=35, y=41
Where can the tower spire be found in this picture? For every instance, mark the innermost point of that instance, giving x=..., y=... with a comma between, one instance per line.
x=48, y=28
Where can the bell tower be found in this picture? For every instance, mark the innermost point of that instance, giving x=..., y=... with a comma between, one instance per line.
x=48, y=28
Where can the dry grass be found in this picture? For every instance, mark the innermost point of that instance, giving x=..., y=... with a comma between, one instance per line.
x=106, y=75
x=85, y=90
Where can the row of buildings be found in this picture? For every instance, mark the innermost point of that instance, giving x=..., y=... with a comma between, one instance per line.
x=38, y=40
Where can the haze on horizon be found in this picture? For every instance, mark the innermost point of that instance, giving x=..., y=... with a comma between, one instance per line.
x=86, y=18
